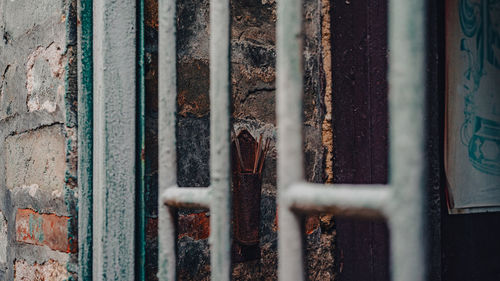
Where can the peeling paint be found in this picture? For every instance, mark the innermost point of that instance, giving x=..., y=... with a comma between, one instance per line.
x=50, y=270
x=45, y=69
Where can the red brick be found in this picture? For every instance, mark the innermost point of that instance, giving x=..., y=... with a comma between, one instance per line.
x=44, y=230
x=196, y=226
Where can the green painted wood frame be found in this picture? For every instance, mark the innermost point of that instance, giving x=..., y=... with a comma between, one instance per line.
x=86, y=149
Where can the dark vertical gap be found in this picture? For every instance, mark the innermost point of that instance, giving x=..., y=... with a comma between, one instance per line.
x=149, y=156
x=360, y=125
x=435, y=133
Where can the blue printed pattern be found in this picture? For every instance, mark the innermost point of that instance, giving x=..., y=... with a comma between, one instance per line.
x=480, y=23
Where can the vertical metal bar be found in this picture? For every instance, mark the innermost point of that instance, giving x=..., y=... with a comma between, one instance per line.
x=406, y=108
x=114, y=51
x=167, y=93
x=141, y=147
x=220, y=219
x=290, y=139
x=85, y=135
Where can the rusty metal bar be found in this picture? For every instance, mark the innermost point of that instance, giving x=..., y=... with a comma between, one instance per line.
x=402, y=200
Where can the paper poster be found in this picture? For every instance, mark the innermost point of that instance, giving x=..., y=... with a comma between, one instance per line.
x=472, y=137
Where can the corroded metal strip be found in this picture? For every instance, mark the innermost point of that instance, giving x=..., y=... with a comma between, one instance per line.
x=187, y=197
x=167, y=177
x=289, y=80
x=407, y=110
x=114, y=58
x=85, y=136
x=220, y=168
x=347, y=200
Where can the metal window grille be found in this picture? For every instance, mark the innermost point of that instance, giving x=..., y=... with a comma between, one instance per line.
x=401, y=200
x=217, y=196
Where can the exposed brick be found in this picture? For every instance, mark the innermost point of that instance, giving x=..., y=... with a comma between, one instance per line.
x=48, y=271
x=44, y=229
x=36, y=157
x=196, y=226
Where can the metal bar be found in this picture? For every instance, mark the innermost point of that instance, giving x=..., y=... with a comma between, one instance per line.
x=289, y=79
x=85, y=136
x=187, y=197
x=167, y=93
x=114, y=52
x=403, y=202
x=406, y=108
x=347, y=200
x=220, y=170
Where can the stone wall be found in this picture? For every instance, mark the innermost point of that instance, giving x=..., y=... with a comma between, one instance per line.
x=38, y=190
x=253, y=61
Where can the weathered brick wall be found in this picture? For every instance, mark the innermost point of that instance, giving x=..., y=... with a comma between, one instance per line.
x=38, y=191
x=253, y=61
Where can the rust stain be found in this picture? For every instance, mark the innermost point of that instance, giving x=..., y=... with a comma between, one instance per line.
x=196, y=226
x=151, y=13
x=312, y=223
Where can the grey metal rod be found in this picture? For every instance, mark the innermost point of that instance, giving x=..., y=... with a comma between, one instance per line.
x=407, y=108
x=289, y=81
x=167, y=94
x=187, y=197
x=220, y=170
x=347, y=200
